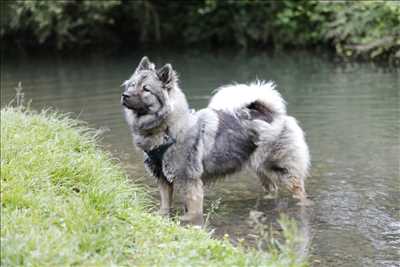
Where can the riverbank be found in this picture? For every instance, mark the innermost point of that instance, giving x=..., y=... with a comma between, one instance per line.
x=65, y=202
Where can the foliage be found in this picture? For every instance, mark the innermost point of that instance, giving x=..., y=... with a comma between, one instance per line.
x=65, y=202
x=59, y=22
x=352, y=28
x=370, y=28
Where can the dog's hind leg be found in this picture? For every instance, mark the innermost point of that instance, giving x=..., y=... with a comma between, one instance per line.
x=296, y=186
x=293, y=183
x=166, y=195
x=193, y=197
x=270, y=185
x=274, y=177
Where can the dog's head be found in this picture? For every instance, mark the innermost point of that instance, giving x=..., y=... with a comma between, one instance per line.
x=147, y=90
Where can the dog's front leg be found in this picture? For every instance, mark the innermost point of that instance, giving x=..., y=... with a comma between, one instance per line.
x=194, y=202
x=166, y=195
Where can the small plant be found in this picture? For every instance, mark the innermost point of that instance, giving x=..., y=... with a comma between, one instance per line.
x=214, y=207
x=287, y=242
x=19, y=97
x=19, y=100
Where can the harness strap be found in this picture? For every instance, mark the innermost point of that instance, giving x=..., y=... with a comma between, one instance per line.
x=156, y=154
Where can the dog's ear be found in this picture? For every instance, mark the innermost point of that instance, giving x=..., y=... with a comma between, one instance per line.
x=166, y=74
x=145, y=64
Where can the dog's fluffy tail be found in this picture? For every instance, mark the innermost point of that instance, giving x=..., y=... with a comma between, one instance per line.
x=260, y=95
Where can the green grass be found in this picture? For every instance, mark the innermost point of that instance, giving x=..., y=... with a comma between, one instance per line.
x=65, y=202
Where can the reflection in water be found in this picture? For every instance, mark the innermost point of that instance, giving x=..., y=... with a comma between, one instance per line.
x=240, y=219
x=350, y=113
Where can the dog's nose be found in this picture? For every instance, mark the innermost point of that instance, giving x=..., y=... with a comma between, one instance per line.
x=125, y=95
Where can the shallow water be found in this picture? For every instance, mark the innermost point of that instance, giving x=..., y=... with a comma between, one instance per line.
x=350, y=113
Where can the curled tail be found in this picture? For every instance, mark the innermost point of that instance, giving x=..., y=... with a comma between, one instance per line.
x=260, y=97
x=258, y=105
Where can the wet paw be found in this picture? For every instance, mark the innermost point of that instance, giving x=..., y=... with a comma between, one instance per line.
x=305, y=202
x=164, y=212
x=192, y=219
x=271, y=195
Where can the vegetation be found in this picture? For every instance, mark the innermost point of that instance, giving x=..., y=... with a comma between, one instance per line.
x=65, y=202
x=366, y=29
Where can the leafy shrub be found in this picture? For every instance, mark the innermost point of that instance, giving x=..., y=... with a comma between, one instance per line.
x=353, y=28
x=59, y=23
x=366, y=28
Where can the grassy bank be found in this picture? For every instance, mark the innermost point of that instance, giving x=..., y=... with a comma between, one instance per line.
x=65, y=202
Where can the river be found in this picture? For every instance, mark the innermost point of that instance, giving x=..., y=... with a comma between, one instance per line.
x=349, y=111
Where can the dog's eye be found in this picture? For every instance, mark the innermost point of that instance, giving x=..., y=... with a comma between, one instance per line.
x=146, y=88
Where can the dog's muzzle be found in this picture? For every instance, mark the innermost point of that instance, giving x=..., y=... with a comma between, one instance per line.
x=125, y=100
x=134, y=103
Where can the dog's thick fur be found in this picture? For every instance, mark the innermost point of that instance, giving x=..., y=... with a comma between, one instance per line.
x=243, y=126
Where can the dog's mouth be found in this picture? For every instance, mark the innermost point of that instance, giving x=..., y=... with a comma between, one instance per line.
x=137, y=107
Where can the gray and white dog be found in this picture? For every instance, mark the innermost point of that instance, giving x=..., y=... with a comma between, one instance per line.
x=244, y=126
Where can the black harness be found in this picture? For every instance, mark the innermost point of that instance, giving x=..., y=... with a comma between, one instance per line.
x=155, y=156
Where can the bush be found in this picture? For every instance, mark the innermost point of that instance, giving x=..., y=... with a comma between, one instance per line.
x=59, y=23
x=365, y=29
x=368, y=29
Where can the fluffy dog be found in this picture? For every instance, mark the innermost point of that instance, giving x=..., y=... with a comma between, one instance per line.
x=243, y=126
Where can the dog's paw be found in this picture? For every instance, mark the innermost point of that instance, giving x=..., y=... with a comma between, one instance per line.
x=271, y=195
x=192, y=219
x=164, y=212
x=305, y=202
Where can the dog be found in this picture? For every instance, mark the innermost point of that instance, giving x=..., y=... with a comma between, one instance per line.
x=244, y=126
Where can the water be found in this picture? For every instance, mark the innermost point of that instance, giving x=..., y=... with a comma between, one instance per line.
x=350, y=113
